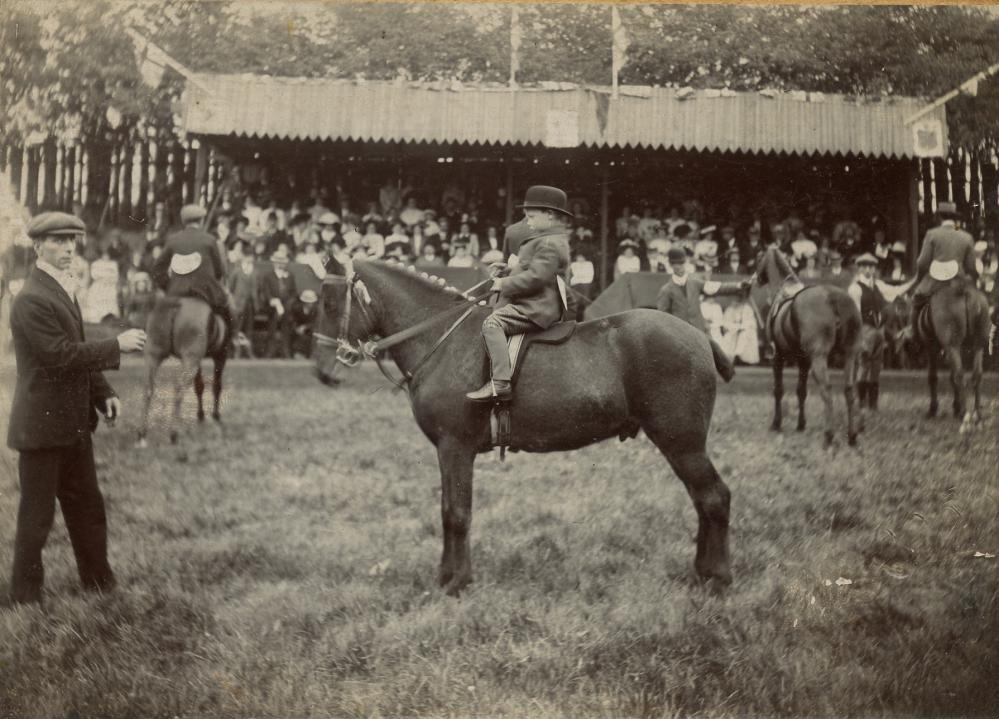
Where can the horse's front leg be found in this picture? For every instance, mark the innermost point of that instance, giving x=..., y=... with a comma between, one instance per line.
x=199, y=391
x=976, y=382
x=219, y=367
x=778, y=368
x=152, y=365
x=456, y=462
x=956, y=379
x=854, y=414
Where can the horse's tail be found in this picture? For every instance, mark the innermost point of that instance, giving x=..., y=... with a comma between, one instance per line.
x=723, y=365
x=848, y=324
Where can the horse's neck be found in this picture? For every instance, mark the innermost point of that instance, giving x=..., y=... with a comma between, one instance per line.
x=404, y=299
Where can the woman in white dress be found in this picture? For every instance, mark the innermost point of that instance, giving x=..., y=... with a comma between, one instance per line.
x=628, y=260
x=102, y=296
x=740, y=340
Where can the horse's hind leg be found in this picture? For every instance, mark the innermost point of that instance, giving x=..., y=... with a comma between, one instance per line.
x=217, y=386
x=189, y=368
x=854, y=413
x=931, y=378
x=711, y=499
x=778, y=368
x=820, y=372
x=976, y=382
x=152, y=365
x=456, y=461
x=804, y=366
x=199, y=390
x=956, y=379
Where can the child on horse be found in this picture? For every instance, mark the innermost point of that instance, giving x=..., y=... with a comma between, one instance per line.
x=530, y=297
x=191, y=266
x=947, y=252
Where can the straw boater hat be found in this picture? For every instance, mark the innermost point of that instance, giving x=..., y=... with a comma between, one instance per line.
x=627, y=243
x=898, y=248
x=866, y=259
x=280, y=256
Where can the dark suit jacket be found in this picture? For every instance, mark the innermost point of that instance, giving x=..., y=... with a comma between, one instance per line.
x=270, y=287
x=532, y=284
x=205, y=281
x=59, y=381
x=685, y=302
x=945, y=244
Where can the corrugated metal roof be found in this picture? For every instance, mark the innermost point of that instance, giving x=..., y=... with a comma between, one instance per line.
x=553, y=115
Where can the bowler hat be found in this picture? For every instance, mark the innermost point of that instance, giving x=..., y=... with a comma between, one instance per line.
x=866, y=259
x=55, y=223
x=191, y=213
x=676, y=256
x=543, y=197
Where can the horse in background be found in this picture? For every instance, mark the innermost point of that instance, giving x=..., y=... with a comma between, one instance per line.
x=806, y=325
x=186, y=328
x=956, y=319
x=606, y=381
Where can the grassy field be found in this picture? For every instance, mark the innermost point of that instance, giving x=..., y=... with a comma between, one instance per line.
x=283, y=566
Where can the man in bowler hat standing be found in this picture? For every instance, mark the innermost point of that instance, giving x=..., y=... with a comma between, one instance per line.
x=530, y=298
x=58, y=392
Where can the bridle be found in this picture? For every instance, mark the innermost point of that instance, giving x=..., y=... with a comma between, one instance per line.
x=350, y=356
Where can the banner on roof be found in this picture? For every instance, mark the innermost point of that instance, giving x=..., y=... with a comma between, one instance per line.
x=562, y=128
x=927, y=137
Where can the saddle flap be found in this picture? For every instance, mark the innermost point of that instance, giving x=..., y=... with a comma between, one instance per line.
x=554, y=335
x=944, y=271
x=185, y=264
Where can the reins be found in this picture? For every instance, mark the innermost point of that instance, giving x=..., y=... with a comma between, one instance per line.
x=350, y=356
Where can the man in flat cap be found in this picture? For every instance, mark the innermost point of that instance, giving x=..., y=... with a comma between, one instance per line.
x=530, y=297
x=871, y=303
x=191, y=266
x=57, y=394
x=947, y=253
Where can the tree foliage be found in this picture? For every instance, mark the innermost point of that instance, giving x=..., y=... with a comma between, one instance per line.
x=63, y=65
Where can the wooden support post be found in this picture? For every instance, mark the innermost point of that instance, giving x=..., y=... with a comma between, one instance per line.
x=200, y=168
x=70, y=177
x=912, y=181
x=50, y=162
x=16, y=169
x=31, y=189
x=142, y=209
x=604, y=223
x=509, y=189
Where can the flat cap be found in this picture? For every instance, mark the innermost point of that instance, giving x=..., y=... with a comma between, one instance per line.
x=191, y=213
x=55, y=223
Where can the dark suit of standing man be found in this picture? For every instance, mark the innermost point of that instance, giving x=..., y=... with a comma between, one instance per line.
x=58, y=392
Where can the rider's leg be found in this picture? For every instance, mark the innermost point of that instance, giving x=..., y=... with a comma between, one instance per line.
x=503, y=322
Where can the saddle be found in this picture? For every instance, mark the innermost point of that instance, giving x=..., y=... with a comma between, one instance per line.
x=499, y=420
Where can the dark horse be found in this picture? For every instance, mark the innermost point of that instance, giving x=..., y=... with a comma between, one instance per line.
x=183, y=327
x=640, y=369
x=806, y=324
x=956, y=319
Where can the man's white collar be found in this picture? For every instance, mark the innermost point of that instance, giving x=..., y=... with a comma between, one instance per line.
x=65, y=279
x=680, y=280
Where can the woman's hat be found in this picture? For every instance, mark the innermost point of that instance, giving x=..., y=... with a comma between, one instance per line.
x=544, y=197
x=898, y=248
x=280, y=256
x=308, y=296
x=328, y=218
x=627, y=243
x=866, y=259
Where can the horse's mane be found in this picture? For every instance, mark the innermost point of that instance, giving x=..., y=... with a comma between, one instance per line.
x=410, y=274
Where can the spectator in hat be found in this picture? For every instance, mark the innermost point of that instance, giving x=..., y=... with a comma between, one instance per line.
x=243, y=285
x=752, y=248
x=658, y=255
x=352, y=239
x=881, y=250
x=139, y=299
x=627, y=259
x=727, y=240
x=734, y=264
x=461, y=257
x=105, y=281
x=802, y=248
x=648, y=226
x=623, y=220
x=681, y=295
x=328, y=224
x=491, y=242
x=398, y=243
x=59, y=389
x=468, y=238
x=300, y=229
x=277, y=292
x=811, y=269
x=740, y=332
x=411, y=214
x=897, y=273
x=303, y=319
x=835, y=269
x=372, y=215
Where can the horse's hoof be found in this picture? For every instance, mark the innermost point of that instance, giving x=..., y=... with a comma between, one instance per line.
x=142, y=443
x=457, y=585
x=801, y=427
x=217, y=418
x=174, y=437
x=828, y=440
x=775, y=428
x=852, y=440
x=931, y=413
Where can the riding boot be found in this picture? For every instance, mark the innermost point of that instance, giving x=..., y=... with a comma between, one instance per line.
x=918, y=303
x=498, y=388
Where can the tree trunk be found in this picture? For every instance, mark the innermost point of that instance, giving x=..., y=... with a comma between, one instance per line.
x=31, y=191
x=16, y=168
x=924, y=170
x=940, y=180
x=70, y=177
x=142, y=209
x=126, y=181
x=98, y=180
x=50, y=156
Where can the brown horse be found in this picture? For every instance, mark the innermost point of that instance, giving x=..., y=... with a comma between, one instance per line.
x=956, y=319
x=640, y=369
x=807, y=324
x=183, y=327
